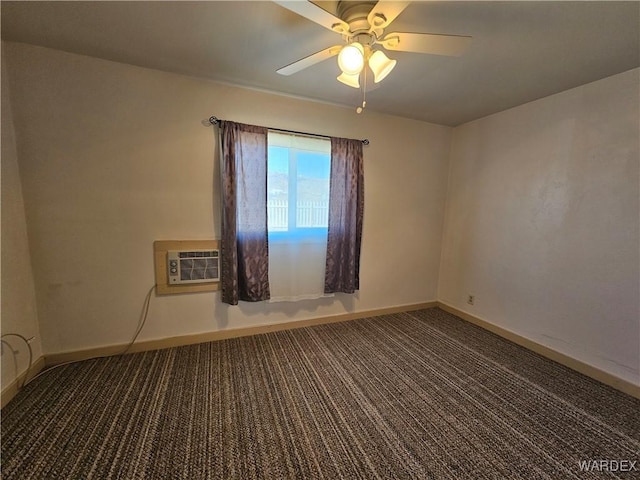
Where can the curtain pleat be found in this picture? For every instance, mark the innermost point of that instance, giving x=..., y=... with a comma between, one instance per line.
x=346, y=213
x=244, y=241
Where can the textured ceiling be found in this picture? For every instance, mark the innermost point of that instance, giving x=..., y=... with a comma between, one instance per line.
x=521, y=50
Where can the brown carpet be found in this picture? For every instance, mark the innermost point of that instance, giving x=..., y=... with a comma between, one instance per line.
x=419, y=395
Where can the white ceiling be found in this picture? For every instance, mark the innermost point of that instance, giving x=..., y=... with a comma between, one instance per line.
x=521, y=50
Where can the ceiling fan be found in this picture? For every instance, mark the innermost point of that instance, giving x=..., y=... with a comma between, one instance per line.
x=362, y=25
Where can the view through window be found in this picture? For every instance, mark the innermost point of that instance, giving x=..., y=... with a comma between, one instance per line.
x=297, y=185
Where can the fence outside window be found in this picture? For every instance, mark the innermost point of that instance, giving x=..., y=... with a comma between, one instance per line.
x=308, y=214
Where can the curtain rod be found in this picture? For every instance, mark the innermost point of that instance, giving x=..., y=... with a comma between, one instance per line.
x=216, y=120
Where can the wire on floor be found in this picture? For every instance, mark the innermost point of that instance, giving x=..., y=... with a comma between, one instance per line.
x=143, y=319
x=26, y=342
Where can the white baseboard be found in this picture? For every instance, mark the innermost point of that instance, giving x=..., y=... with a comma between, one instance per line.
x=581, y=367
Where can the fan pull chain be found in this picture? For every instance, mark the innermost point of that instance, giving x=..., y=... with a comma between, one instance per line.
x=364, y=93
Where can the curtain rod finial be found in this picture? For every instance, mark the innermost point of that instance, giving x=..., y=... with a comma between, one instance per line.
x=214, y=120
x=365, y=141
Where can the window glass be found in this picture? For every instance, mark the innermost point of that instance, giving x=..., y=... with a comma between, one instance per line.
x=298, y=185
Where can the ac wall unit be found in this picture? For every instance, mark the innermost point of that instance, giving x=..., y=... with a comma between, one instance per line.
x=193, y=266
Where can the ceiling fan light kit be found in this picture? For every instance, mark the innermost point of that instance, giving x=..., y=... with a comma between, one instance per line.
x=351, y=80
x=354, y=57
x=362, y=25
x=351, y=58
x=381, y=65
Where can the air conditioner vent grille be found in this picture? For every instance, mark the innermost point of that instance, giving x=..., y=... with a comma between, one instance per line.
x=193, y=266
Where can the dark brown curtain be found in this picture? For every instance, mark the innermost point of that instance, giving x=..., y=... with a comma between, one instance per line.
x=346, y=212
x=244, y=247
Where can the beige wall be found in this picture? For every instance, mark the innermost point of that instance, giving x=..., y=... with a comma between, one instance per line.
x=542, y=223
x=17, y=293
x=113, y=157
x=541, y=214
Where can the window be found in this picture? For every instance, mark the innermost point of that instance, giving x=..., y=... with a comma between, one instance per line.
x=297, y=186
x=298, y=170
x=308, y=245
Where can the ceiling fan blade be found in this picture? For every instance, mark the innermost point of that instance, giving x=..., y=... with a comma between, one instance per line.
x=434, y=44
x=317, y=15
x=310, y=60
x=385, y=12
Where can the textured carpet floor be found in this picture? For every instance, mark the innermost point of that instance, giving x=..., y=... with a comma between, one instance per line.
x=415, y=395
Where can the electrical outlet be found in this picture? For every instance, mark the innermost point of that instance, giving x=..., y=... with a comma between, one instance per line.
x=471, y=299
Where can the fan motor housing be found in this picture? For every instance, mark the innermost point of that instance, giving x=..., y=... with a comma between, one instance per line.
x=355, y=14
